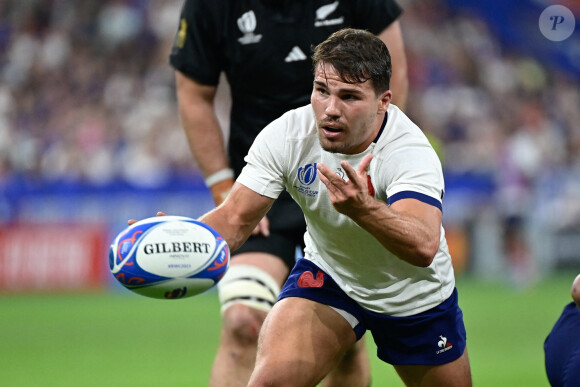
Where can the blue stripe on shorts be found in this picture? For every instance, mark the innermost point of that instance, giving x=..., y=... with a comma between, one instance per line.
x=436, y=336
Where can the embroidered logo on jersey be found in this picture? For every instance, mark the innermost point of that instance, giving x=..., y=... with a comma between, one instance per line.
x=323, y=12
x=306, y=176
x=295, y=55
x=307, y=280
x=247, y=24
x=443, y=344
x=181, y=34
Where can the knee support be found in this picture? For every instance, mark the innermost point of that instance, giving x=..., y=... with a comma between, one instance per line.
x=248, y=285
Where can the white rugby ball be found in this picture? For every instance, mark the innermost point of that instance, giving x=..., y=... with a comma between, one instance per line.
x=169, y=257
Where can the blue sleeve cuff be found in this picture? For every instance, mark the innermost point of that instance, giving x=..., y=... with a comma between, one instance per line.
x=415, y=195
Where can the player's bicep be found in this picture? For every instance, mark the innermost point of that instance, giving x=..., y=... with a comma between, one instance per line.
x=430, y=215
x=191, y=92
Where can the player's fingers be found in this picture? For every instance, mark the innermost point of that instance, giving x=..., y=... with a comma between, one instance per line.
x=330, y=187
x=133, y=221
x=326, y=172
x=264, y=226
x=350, y=172
x=331, y=178
x=363, y=168
x=336, y=191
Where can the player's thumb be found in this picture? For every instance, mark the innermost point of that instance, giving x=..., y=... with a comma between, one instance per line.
x=364, y=165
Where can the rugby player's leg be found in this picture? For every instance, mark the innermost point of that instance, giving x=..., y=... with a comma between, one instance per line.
x=300, y=342
x=247, y=293
x=454, y=374
x=353, y=369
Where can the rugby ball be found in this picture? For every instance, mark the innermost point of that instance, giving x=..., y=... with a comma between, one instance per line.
x=168, y=257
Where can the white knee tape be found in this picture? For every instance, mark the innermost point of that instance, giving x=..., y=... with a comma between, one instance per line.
x=248, y=285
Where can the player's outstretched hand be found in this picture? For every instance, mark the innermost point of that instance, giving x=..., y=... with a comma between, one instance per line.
x=347, y=196
x=133, y=221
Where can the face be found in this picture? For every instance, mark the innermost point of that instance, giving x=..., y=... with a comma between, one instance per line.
x=348, y=116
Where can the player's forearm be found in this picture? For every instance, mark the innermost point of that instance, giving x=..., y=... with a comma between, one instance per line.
x=403, y=234
x=209, y=152
x=236, y=218
x=204, y=137
x=234, y=232
x=202, y=129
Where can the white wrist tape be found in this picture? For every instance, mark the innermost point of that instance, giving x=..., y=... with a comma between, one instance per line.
x=221, y=175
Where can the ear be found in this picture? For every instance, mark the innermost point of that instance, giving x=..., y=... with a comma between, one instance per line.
x=384, y=101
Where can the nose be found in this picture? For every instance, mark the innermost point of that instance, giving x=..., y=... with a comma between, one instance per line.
x=332, y=107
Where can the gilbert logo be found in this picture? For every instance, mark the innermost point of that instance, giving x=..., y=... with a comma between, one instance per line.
x=247, y=24
x=176, y=247
x=323, y=12
x=444, y=345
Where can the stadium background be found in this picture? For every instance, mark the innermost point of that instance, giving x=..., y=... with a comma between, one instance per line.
x=90, y=137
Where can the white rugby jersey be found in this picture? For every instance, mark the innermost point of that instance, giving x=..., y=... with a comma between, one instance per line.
x=284, y=156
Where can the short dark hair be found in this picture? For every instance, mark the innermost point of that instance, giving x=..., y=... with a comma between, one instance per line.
x=357, y=56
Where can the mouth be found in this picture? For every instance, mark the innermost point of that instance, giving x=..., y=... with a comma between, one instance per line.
x=331, y=130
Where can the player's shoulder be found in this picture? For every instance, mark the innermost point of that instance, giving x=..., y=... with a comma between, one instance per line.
x=293, y=126
x=402, y=137
x=400, y=126
x=300, y=122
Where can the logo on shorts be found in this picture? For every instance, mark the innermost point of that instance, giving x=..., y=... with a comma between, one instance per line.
x=443, y=344
x=307, y=280
x=306, y=176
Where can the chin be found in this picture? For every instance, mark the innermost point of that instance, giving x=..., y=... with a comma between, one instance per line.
x=329, y=147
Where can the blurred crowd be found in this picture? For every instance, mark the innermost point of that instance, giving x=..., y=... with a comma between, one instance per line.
x=86, y=92
x=87, y=96
x=496, y=112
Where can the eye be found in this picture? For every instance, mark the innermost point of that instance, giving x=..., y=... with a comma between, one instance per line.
x=322, y=90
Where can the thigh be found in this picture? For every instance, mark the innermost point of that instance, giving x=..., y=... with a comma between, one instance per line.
x=300, y=342
x=454, y=374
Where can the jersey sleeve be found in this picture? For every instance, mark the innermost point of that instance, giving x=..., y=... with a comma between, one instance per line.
x=264, y=169
x=195, y=50
x=415, y=173
x=374, y=15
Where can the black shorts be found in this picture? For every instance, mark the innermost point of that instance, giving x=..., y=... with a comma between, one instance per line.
x=287, y=228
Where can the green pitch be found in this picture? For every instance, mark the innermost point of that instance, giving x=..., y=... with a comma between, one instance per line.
x=121, y=339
